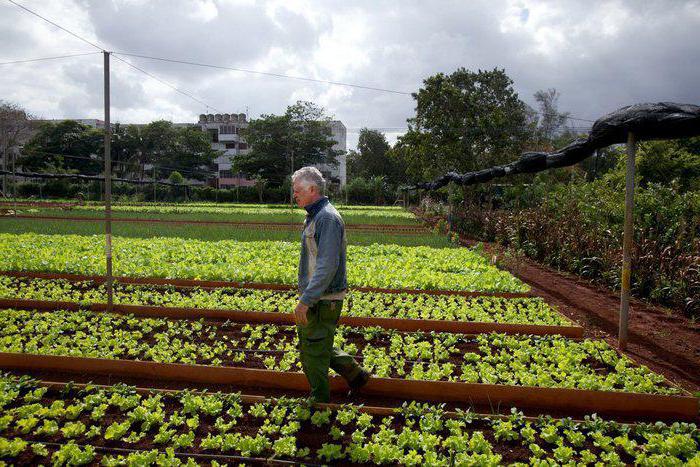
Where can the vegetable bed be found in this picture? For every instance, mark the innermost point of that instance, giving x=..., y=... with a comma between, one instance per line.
x=76, y=426
x=549, y=361
x=387, y=266
x=361, y=304
x=239, y=213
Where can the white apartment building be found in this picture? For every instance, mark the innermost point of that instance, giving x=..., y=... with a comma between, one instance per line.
x=339, y=172
x=225, y=131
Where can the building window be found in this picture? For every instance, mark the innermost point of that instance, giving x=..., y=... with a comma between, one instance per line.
x=243, y=146
x=230, y=145
x=214, y=134
x=228, y=129
x=225, y=174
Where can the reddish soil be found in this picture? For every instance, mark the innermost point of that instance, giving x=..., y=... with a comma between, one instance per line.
x=660, y=338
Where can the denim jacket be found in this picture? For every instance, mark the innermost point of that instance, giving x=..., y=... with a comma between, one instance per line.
x=323, y=253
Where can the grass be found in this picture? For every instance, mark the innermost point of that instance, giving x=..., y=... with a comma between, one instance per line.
x=237, y=214
x=203, y=232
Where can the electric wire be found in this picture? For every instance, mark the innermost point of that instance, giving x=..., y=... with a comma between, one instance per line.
x=57, y=25
x=243, y=70
x=103, y=49
x=173, y=87
x=48, y=58
x=266, y=73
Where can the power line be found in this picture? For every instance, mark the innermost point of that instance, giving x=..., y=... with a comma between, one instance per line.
x=175, y=88
x=104, y=50
x=48, y=58
x=57, y=25
x=265, y=73
x=221, y=67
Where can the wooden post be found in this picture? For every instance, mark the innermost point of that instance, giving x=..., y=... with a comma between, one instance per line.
x=627, y=243
x=108, y=184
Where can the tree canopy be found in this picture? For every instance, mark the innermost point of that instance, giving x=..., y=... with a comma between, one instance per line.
x=303, y=133
x=73, y=147
x=464, y=121
x=374, y=158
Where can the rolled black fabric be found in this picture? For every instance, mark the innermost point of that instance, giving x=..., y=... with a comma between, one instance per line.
x=663, y=120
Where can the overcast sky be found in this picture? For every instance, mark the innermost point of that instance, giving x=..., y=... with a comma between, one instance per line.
x=600, y=55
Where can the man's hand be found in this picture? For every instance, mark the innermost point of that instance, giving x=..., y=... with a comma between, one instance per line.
x=300, y=314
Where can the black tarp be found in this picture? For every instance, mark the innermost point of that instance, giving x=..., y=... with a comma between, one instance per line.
x=663, y=120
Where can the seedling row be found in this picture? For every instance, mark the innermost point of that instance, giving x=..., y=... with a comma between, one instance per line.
x=79, y=425
x=548, y=361
x=532, y=310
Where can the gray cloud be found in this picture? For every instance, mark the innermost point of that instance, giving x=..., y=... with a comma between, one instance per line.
x=600, y=55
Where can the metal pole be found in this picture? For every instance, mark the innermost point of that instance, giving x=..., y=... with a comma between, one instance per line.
x=627, y=243
x=14, y=177
x=14, y=184
x=108, y=184
x=291, y=186
x=4, y=175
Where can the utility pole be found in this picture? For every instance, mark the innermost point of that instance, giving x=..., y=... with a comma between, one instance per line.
x=108, y=184
x=291, y=185
x=627, y=243
x=4, y=168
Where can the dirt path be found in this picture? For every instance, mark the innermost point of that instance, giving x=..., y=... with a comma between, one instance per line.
x=659, y=338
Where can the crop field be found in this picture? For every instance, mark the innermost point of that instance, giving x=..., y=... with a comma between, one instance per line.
x=439, y=395
x=389, y=266
x=493, y=358
x=206, y=232
x=532, y=310
x=121, y=426
x=230, y=212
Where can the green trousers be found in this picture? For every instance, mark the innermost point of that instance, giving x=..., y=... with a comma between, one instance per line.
x=316, y=349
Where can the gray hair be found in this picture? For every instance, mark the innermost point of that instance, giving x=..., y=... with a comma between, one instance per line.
x=309, y=176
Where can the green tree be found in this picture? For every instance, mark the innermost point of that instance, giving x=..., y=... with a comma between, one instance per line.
x=15, y=127
x=128, y=151
x=192, y=152
x=464, y=121
x=303, y=134
x=73, y=147
x=176, y=178
x=663, y=161
x=373, y=158
x=551, y=123
x=66, y=146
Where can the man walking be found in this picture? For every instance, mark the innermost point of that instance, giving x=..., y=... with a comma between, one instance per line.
x=322, y=286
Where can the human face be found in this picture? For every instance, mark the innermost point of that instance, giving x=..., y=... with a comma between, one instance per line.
x=305, y=194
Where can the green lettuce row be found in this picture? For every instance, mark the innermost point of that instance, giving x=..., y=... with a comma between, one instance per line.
x=416, y=434
x=248, y=209
x=361, y=304
x=549, y=361
x=386, y=266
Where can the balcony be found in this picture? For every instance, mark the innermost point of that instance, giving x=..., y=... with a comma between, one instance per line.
x=228, y=137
